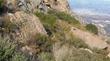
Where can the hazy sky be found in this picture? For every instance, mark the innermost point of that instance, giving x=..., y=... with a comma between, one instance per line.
x=91, y=5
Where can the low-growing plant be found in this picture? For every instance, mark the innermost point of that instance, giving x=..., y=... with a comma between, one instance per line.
x=64, y=16
x=19, y=57
x=44, y=56
x=44, y=43
x=82, y=55
x=92, y=28
x=8, y=51
x=47, y=19
x=9, y=26
x=78, y=43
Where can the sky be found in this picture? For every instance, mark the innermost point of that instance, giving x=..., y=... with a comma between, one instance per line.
x=99, y=6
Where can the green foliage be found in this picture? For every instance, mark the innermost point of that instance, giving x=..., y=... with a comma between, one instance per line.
x=78, y=43
x=1, y=1
x=70, y=39
x=64, y=16
x=47, y=19
x=9, y=26
x=8, y=52
x=92, y=28
x=46, y=56
x=19, y=57
x=44, y=43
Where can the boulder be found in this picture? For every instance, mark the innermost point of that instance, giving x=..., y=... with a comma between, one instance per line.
x=29, y=25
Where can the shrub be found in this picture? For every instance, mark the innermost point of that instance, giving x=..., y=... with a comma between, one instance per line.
x=9, y=26
x=47, y=19
x=64, y=16
x=78, y=43
x=19, y=57
x=8, y=51
x=1, y=1
x=44, y=43
x=92, y=28
x=66, y=38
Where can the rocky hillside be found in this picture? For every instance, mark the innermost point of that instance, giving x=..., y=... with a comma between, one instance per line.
x=44, y=30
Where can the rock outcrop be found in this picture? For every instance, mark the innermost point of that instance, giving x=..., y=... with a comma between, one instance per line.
x=60, y=5
x=23, y=5
x=32, y=5
x=29, y=25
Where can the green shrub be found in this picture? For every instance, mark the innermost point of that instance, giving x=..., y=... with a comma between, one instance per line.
x=19, y=57
x=44, y=43
x=70, y=39
x=64, y=16
x=8, y=51
x=46, y=19
x=78, y=43
x=1, y=1
x=92, y=28
x=9, y=26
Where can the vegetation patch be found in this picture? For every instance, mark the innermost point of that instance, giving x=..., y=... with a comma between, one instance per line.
x=8, y=51
x=92, y=28
x=44, y=43
x=64, y=16
x=78, y=43
x=44, y=56
x=47, y=19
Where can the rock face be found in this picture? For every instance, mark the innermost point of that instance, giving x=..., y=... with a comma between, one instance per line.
x=60, y=5
x=32, y=5
x=29, y=25
x=23, y=5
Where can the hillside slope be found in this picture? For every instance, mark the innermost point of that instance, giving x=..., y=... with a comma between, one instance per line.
x=43, y=30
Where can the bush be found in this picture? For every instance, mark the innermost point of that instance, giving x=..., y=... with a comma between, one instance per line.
x=64, y=16
x=46, y=19
x=1, y=1
x=92, y=28
x=8, y=51
x=44, y=43
x=19, y=57
x=78, y=43
x=9, y=26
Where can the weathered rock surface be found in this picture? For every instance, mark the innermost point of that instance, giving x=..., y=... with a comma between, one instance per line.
x=93, y=41
x=32, y=5
x=60, y=5
x=29, y=25
x=24, y=5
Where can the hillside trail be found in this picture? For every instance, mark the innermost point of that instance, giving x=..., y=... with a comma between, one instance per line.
x=92, y=40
